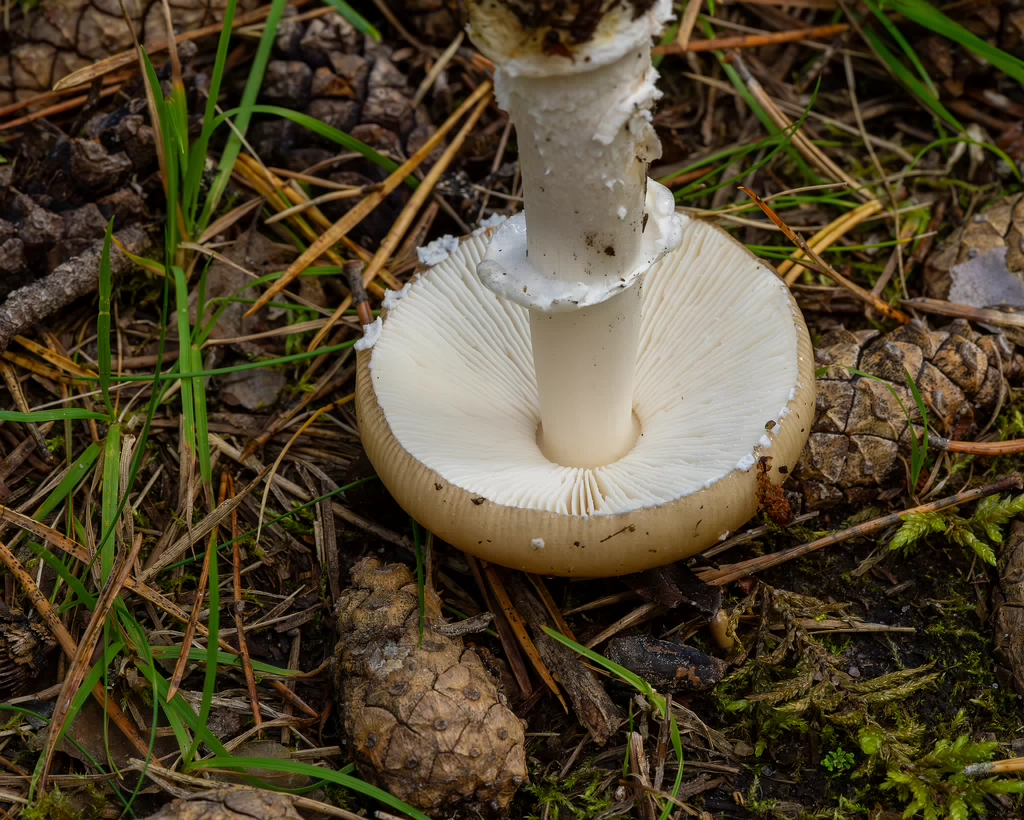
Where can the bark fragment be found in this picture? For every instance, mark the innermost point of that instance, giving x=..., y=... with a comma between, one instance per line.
x=72, y=280
x=230, y=804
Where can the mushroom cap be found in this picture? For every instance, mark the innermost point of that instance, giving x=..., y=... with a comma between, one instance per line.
x=448, y=413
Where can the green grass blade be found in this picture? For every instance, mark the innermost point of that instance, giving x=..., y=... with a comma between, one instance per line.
x=192, y=186
x=169, y=136
x=58, y=414
x=109, y=509
x=644, y=688
x=84, y=596
x=315, y=772
x=67, y=484
x=634, y=680
x=667, y=38
x=202, y=420
x=245, y=112
x=926, y=15
x=914, y=85
x=178, y=709
x=763, y=116
x=918, y=464
x=188, y=408
x=327, y=132
x=360, y=23
x=995, y=149
x=901, y=41
x=172, y=653
x=104, y=358
x=174, y=375
x=918, y=449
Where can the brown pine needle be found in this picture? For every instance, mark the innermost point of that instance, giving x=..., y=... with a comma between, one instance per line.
x=57, y=108
x=733, y=572
x=505, y=634
x=73, y=548
x=193, y=621
x=364, y=208
x=791, y=269
x=754, y=40
x=876, y=302
x=519, y=629
x=412, y=207
x=82, y=661
x=69, y=647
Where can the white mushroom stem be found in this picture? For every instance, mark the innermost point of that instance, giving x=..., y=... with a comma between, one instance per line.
x=585, y=362
x=593, y=224
x=585, y=141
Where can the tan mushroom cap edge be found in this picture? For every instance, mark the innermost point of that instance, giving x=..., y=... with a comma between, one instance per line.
x=584, y=546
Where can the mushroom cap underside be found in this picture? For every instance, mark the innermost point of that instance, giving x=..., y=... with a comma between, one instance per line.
x=448, y=413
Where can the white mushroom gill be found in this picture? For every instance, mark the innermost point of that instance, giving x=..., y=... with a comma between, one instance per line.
x=454, y=376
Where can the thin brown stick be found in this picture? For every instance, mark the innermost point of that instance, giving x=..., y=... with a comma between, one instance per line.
x=733, y=572
x=884, y=308
x=1012, y=764
x=988, y=316
x=755, y=40
x=986, y=449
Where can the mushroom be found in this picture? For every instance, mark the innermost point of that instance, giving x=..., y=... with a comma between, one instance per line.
x=585, y=388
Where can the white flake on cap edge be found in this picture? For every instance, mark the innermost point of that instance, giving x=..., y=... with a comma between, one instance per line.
x=437, y=251
x=371, y=333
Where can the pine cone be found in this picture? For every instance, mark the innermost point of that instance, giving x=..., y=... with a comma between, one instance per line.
x=24, y=645
x=424, y=720
x=860, y=429
x=56, y=37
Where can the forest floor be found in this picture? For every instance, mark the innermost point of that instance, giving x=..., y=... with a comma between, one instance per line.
x=142, y=512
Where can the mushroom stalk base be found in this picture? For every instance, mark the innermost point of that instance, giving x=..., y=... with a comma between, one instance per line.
x=585, y=363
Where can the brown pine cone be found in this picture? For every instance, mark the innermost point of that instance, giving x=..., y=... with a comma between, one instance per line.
x=24, y=645
x=860, y=429
x=56, y=37
x=426, y=721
